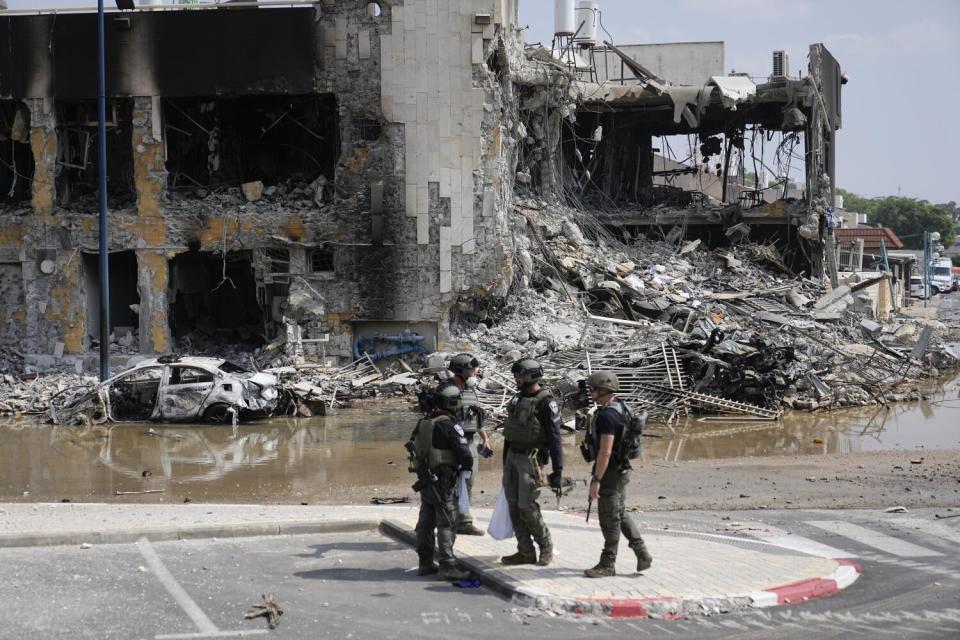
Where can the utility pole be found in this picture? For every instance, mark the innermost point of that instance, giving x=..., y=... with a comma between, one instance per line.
x=102, y=189
x=926, y=267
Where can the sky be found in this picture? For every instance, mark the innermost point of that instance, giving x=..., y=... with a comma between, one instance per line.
x=901, y=108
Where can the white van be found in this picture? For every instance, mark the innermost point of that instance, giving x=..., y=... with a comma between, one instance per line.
x=941, y=276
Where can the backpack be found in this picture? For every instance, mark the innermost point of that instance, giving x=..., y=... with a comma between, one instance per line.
x=630, y=434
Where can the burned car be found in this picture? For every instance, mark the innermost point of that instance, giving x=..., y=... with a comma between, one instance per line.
x=171, y=389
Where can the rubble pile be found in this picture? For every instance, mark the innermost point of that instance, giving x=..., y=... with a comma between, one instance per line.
x=32, y=393
x=731, y=330
x=299, y=191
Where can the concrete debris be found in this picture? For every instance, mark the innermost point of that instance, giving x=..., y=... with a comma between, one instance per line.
x=252, y=191
x=727, y=331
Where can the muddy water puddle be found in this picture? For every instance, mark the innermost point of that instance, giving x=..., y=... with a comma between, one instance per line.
x=358, y=453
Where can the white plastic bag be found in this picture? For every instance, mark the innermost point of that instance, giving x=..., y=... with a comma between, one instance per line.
x=463, y=499
x=501, y=527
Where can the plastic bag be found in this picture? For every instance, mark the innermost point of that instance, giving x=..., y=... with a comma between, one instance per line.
x=463, y=496
x=501, y=527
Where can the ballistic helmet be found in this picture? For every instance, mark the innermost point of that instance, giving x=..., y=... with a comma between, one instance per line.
x=463, y=362
x=529, y=370
x=604, y=380
x=446, y=397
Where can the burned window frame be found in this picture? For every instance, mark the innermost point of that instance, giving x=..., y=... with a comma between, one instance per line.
x=77, y=119
x=319, y=257
x=226, y=141
x=16, y=153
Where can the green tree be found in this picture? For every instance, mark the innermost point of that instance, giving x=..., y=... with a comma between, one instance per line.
x=908, y=217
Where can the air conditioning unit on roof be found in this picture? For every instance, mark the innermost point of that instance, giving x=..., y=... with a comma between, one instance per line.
x=781, y=64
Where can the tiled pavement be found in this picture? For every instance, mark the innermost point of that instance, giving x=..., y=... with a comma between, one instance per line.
x=688, y=567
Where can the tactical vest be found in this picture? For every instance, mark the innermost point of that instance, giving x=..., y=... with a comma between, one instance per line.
x=593, y=440
x=429, y=454
x=469, y=423
x=522, y=427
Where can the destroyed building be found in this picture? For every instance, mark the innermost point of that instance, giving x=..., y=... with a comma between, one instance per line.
x=317, y=172
x=330, y=178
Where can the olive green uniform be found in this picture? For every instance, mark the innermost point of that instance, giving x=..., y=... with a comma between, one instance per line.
x=442, y=446
x=527, y=442
x=611, y=507
x=470, y=422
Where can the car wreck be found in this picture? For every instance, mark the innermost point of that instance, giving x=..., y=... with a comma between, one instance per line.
x=171, y=389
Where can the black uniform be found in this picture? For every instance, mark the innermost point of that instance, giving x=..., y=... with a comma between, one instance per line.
x=438, y=508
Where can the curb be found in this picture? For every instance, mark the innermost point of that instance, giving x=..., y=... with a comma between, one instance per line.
x=40, y=539
x=666, y=608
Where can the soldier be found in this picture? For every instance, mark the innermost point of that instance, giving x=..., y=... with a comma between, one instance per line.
x=611, y=473
x=441, y=452
x=531, y=434
x=464, y=367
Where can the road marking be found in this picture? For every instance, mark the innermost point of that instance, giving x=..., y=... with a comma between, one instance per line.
x=205, y=625
x=213, y=634
x=812, y=547
x=935, y=529
x=871, y=538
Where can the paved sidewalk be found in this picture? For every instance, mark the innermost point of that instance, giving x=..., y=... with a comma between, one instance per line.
x=693, y=572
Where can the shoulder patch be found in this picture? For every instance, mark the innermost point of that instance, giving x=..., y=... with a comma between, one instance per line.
x=458, y=429
x=554, y=407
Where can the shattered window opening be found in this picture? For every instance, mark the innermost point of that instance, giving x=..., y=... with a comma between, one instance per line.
x=189, y=375
x=134, y=396
x=78, y=153
x=16, y=155
x=206, y=311
x=124, y=297
x=215, y=142
x=367, y=129
x=321, y=261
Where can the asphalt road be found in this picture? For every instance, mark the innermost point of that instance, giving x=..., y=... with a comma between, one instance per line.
x=362, y=585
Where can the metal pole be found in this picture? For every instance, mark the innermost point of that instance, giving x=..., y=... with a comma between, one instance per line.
x=102, y=176
x=926, y=267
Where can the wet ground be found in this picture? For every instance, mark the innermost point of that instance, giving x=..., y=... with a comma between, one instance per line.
x=358, y=454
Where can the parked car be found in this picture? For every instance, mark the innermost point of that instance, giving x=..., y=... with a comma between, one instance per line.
x=171, y=389
x=916, y=287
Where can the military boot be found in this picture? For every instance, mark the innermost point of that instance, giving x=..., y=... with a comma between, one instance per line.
x=601, y=571
x=428, y=569
x=453, y=573
x=546, y=556
x=644, y=559
x=469, y=529
x=520, y=558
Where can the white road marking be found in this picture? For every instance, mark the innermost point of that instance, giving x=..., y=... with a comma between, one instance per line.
x=205, y=625
x=214, y=634
x=929, y=527
x=871, y=538
x=806, y=545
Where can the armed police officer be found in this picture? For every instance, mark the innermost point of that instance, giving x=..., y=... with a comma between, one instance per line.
x=532, y=435
x=464, y=367
x=611, y=474
x=440, y=452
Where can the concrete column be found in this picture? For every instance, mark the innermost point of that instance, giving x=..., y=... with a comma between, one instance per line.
x=43, y=142
x=153, y=274
x=149, y=168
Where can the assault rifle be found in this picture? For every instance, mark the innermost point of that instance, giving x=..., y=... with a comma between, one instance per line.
x=425, y=478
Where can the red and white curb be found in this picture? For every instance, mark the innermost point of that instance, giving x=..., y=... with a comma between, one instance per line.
x=798, y=592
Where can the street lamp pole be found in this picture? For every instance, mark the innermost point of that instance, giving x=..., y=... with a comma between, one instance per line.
x=102, y=189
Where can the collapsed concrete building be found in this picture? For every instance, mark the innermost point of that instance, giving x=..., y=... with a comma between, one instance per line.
x=334, y=178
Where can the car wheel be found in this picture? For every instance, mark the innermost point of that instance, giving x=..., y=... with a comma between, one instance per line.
x=934, y=291
x=217, y=414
